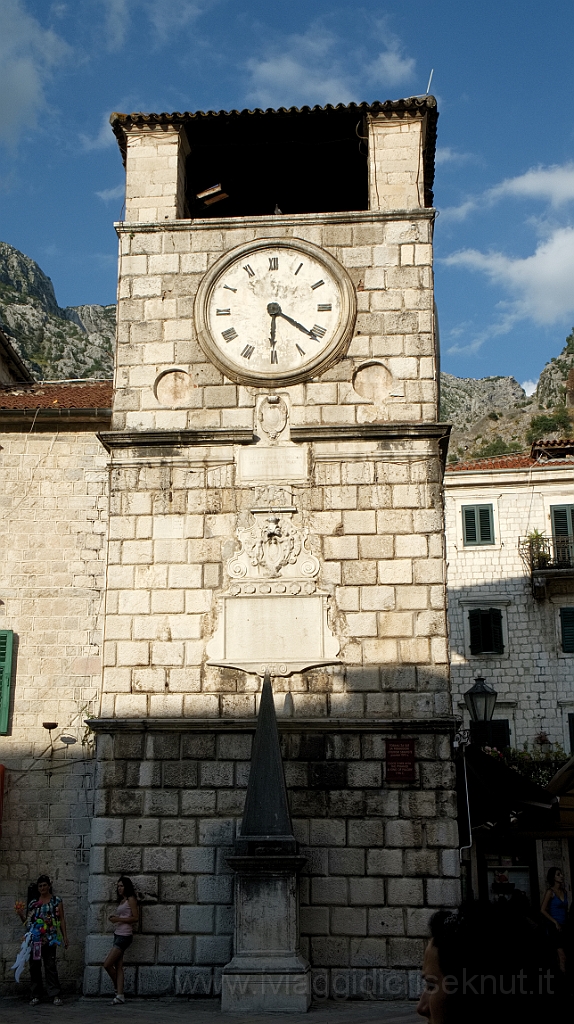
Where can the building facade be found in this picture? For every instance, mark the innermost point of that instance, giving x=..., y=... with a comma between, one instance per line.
x=510, y=577
x=274, y=502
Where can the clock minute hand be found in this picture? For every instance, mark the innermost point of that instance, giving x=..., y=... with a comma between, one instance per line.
x=298, y=326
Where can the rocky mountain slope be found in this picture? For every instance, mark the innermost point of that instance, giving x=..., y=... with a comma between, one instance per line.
x=55, y=343
x=493, y=415
x=490, y=416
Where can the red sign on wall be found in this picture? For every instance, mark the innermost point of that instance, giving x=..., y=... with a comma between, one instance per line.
x=400, y=761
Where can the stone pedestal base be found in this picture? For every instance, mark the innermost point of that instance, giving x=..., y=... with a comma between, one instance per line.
x=266, y=987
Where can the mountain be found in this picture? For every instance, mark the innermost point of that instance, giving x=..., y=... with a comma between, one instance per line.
x=55, y=343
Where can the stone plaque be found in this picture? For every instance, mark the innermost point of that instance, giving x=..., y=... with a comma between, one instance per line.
x=279, y=633
x=400, y=761
x=257, y=464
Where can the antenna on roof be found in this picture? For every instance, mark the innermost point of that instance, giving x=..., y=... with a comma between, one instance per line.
x=430, y=80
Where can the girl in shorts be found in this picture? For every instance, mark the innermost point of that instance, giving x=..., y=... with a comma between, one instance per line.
x=123, y=920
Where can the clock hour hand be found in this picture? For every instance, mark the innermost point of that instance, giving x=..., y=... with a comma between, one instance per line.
x=274, y=310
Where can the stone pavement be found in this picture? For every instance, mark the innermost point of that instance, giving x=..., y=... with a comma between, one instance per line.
x=202, y=1011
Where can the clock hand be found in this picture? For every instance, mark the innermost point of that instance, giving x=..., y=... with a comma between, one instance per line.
x=273, y=329
x=274, y=310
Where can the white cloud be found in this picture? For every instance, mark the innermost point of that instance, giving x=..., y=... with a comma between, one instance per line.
x=391, y=68
x=28, y=52
x=529, y=387
x=107, y=194
x=165, y=16
x=447, y=155
x=541, y=286
x=316, y=67
x=117, y=16
x=103, y=139
x=555, y=184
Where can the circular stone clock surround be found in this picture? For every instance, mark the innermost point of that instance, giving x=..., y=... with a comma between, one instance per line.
x=275, y=311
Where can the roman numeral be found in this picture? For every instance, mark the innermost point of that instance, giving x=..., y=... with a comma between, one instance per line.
x=319, y=332
x=298, y=269
x=317, y=284
x=273, y=263
x=299, y=349
x=229, y=288
x=324, y=307
x=230, y=334
x=273, y=355
x=248, y=351
x=249, y=270
x=223, y=312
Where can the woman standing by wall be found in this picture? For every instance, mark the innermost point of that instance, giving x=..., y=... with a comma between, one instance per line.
x=46, y=931
x=123, y=920
x=555, y=909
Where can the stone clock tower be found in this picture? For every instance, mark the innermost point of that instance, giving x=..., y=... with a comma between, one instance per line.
x=275, y=506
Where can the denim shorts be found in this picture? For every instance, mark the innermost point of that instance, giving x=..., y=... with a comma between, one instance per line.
x=123, y=941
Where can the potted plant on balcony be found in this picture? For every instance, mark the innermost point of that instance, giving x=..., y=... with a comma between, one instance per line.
x=539, y=550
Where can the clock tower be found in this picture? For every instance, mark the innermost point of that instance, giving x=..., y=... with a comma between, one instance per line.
x=276, y=508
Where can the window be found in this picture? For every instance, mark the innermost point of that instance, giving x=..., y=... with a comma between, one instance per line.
x=495, y=733
x=477, y=524
x=567, y=629
x=6, y=646
x=562, y=520
x=486, y=631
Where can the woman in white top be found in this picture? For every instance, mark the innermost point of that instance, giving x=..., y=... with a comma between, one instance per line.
x=123, y=920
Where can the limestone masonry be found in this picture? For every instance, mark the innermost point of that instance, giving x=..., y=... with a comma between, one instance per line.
x=290, y=528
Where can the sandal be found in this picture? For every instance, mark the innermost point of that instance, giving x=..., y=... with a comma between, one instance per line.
x=118, y=1001
x=58, y=1001
x=34, y=1001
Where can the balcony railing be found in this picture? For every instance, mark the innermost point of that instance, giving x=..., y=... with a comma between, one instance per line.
x=545, y=557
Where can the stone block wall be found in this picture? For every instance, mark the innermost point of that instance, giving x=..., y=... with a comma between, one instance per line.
x=389, y=258
x=534, y=676
x=169, y=803
x=374, y=522
x=53, y=521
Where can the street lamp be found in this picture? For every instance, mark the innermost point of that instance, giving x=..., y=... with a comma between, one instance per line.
x=480, y=700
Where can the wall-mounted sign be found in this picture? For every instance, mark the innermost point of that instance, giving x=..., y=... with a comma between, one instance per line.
x=400, y=761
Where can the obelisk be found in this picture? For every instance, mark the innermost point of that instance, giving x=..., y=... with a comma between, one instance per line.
x=267, y=972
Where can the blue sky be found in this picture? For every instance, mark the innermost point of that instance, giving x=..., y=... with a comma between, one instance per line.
x=503, y=77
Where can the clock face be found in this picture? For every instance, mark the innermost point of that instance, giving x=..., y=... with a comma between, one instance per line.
x=275, y=310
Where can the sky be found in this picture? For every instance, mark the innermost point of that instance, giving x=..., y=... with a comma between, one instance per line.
x=503, y=78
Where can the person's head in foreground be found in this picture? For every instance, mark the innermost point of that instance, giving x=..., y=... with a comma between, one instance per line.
x=487, y=963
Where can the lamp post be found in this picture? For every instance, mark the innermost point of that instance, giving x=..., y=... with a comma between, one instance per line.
x=480, y=701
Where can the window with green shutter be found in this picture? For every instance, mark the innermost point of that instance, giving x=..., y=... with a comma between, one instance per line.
x=6, y=647
x=486, y=631
x=477, y=525
x=567, y=629
x=562, y=519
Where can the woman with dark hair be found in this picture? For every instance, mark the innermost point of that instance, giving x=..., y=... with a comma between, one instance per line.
x=46, y=931
x=123, y=920
x=487, y=962
x=555, y=909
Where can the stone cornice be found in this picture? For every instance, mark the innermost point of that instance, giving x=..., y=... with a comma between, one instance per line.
x=275, y=221
x=443, y=724
x=173, y=438
x=53, y=419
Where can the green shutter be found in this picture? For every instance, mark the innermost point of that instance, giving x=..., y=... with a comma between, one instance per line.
x=561, y=520
x=486, y=524
x=6, y=646
x=477, y=524
x=496, y=630
x=486, y=631
x=469, y=524
x=567, y=627
x=475, y=624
